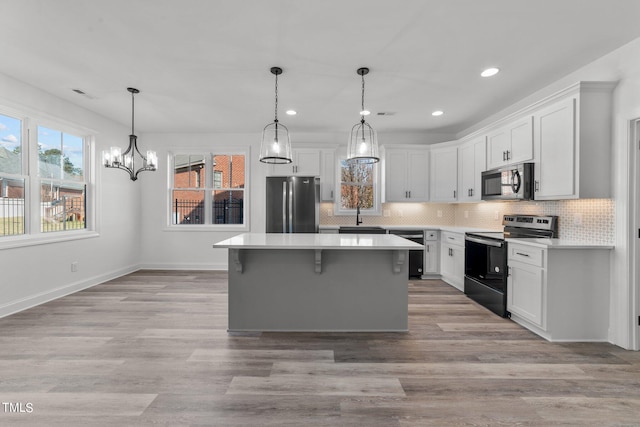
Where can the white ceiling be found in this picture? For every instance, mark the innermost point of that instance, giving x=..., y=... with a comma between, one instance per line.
x=203, y=65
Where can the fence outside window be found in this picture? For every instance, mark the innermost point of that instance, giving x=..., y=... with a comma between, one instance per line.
x=224, y=211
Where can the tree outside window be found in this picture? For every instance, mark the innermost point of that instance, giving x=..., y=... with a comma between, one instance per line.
x=357, y=186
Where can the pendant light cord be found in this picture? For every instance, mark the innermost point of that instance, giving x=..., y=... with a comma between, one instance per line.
x=276, y=107
x=132, y=113
x=362, y=110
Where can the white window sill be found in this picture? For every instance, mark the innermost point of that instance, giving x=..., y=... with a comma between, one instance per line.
x=12, y=242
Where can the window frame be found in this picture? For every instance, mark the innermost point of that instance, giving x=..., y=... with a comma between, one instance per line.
x=209, y=188
x=33, y=235
x=376, y=210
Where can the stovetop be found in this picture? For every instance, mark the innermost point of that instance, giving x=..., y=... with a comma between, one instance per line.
x=523, y=226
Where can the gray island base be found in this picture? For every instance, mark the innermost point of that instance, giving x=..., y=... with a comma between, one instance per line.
x=318, y=282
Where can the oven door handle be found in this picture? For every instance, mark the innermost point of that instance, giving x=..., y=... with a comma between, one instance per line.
x=484, y=242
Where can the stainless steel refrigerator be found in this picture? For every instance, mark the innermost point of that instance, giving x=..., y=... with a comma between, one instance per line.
x=293, y=204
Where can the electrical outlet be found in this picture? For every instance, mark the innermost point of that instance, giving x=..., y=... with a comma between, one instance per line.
x=439, y=213
x=74, y=266
x=329, y=212
x=496, y=215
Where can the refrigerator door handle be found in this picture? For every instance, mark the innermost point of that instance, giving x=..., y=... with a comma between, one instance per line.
x=284, y=207
x=291, y=206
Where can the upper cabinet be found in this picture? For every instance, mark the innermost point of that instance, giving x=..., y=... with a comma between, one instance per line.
x=306, y=162
x=572, y=144
x=406, y=174
x=472, y=161
x=311, y=162
x=444, y=174
x=327, y=174
x=510, y=144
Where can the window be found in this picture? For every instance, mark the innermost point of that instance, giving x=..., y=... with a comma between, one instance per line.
x=62, y=186
x=43, y=186
x=358, y=187
x=12, y=180
x=209, y=189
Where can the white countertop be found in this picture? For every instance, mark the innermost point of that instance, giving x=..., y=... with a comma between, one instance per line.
x=559, y=244
x=317, y=241
x=451, y=228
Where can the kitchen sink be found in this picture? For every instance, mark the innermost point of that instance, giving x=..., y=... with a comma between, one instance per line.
x=361, y=229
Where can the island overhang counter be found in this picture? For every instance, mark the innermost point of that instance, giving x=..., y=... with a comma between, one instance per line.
x=318, y=282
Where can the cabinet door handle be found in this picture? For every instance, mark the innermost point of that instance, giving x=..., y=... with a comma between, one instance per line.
x=332, y=194
x=409, y=194
x=428, y=249
x=521, y=254
x=454, y=194
x=537, y=185
x=504, y=156
x=450, y=252
x=508, y=155
x=471, y=191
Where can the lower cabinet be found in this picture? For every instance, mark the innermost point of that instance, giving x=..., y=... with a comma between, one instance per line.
x=452, y=259
x=560, y=293
x=431, y=265
x=525, y=292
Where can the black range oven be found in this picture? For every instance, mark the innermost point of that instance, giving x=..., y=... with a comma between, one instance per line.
x=485, y=263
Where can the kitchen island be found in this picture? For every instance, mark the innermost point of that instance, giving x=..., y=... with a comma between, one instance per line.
x=318, y=282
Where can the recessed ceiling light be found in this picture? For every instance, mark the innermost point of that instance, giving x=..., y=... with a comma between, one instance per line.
x=437, y=113
x=365, y=112
x=292, y=112
x=490, y=72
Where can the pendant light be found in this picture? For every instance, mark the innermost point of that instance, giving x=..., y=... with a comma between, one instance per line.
x=115, y=158
x=275, y=146
x=363, y=141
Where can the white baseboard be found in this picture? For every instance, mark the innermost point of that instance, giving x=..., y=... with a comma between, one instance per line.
x=41, y=298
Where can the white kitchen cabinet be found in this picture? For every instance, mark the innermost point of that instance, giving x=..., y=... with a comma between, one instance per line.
x=452, y=258
x=306, y=162
x=431, y=253
x=406, y=174
x=472, y=162
x=510, y=144
x=444, y=174
x=328, y=175
x=572, y=145
x=560, y=293
x=525, y=292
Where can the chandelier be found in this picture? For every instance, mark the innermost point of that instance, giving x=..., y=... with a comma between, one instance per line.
x=126, y=161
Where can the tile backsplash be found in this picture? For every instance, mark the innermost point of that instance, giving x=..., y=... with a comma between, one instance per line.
x=589, y=220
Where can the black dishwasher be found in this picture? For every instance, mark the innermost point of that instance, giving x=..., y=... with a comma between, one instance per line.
x=416, y=257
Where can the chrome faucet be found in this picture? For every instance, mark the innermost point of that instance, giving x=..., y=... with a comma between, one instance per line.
x=358, y=220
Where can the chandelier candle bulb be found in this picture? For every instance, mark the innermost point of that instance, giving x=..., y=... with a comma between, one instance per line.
x=116, y=156
x=152, y=159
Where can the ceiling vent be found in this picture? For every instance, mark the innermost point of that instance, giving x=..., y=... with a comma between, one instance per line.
x=83, y=93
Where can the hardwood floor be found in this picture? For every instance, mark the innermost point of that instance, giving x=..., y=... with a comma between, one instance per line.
x=151, y=348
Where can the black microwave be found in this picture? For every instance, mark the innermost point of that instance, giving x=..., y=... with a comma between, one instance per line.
x=515, y=182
